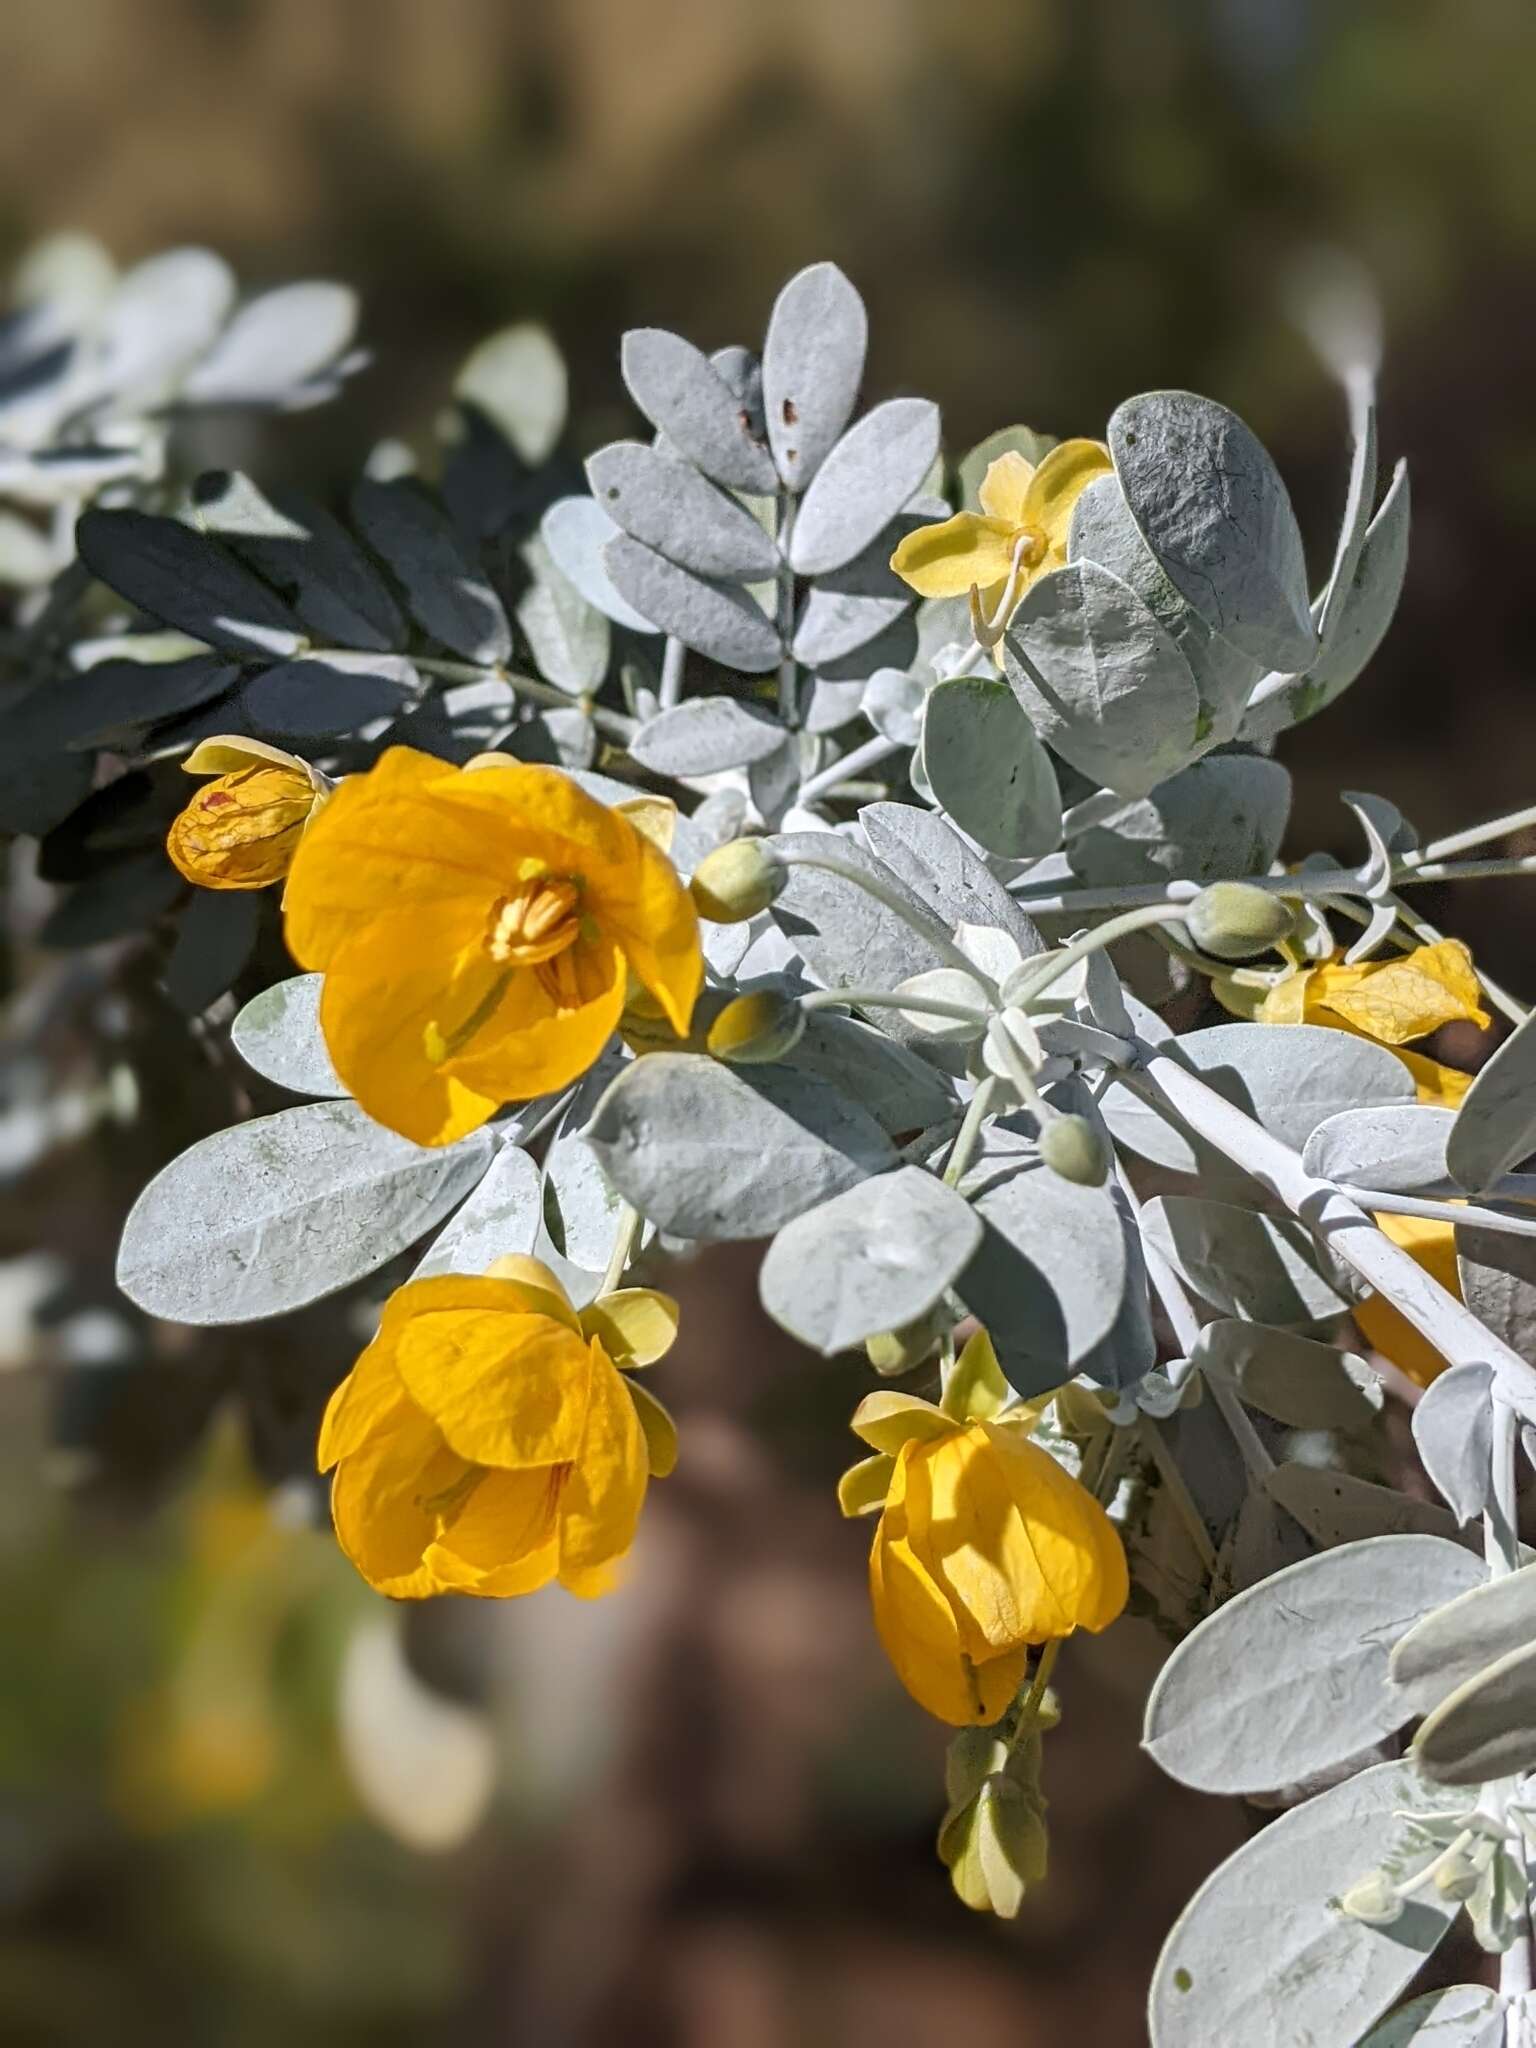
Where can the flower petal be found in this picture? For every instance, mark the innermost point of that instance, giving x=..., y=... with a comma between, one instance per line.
x=1395, y=1000
x=863, y=1487
x=887, y=1419
x=1005, y=487
x=378, y=1503
x=1431, y=1245
x=504, y=1539
x=505, y=1387
x=658, y=1429
x=976, y=1388
x=946, y=559
x=1064, y=474
x=634, y=1325
x=600, y=1506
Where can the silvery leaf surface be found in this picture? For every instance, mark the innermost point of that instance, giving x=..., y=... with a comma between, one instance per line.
x=1486, y=1728
x=1210, y=504
x=683, y=394
x=1262, y=1269
x=186, y=579
x=1290, y=1678
x=813, y=363
x=704, y=735
x=1101, y=681
x=568, y=637
x=278, y=1034
x=936, y=864
x=283, y=1210
x=1453, y=1433
x=1223, y=817
x=446, y=594
x=1495, y=1126
x=1295, y=1380
x=666, y=504
x=1262, y=1954
x=1336, y=1507
x=893, y=704
x=1455, y=1642
x=719, y=619
x=987, y=768
x=517, y=380
x=500, y=1216
x=1103, y=531
x=1462, y=2016
x=575, y=531
x=1498, y=1282
x=873, y=1258
x=275, y=344
x=902, y=1092
x=862, y=483
x=709, y=1151
x=161, y=317
x=1399, y=1148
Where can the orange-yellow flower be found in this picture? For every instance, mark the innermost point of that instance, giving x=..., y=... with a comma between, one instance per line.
x=985, y=1544
x=477, y=928
x=1025, y=519
x=242, y=830
x=486, y=1441
x=1432, y=1245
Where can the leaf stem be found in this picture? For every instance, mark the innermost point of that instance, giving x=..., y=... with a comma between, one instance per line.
x=970, y=1130
x=1053, y=966
x=829, y=780
x=623, y=1247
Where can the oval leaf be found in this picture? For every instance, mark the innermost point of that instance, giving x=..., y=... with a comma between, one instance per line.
x=1455, y=1642
x=1221, y=818
x=576, y=531
x=1486, y=1728
x=1399, y=1148
x=1453, y=1430
x=278, y=1034
x=988, y=769
x=705, y=735
x=716, y=618
x=1263, y=1269
x=813, y=361
x=666, y=504
x=412, y=535
x=1496, y=1124
x=683, y=395
x=186, y=579
x=863, y=483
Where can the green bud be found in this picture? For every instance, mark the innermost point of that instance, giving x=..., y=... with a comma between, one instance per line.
x=1456, y=1877
x=1374, y=1900
x=970, y=1760
x=757, y=1028
x=894, y=1352
x=1012, y=1843
x=736, y=881
x=1076, y=1149
x=1234, y=920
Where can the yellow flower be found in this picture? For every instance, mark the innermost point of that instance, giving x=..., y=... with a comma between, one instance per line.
x=1392, y=1000
x=984, y=1545
x=477, y=928
x=1432, y=1246
x=486, y=1441
x=242, y=830
x=1026, y=515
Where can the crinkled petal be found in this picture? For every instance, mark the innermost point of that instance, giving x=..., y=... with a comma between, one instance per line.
x=1396, y=1000
x=946, y=559
x=1005, y=487
x=505, y=1387
x=600, y=1507
x=1064, y=474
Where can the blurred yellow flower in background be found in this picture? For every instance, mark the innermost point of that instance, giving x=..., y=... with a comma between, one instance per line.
x=486, y=1441
x=477, y=928
x=242, y=830
x=985, y=1544
x=1025, y=517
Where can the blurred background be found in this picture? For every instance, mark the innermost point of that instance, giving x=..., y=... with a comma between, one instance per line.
x=239, y=1802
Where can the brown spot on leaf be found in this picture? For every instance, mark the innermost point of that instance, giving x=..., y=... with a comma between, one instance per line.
x=790, y=414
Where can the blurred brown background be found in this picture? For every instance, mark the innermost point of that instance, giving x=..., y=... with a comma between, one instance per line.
x=701, y=1812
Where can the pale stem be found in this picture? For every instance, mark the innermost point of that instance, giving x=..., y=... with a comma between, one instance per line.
x=1045, y=1664
x=911, y=912
x=829, y=780
x=1474, y=835
x=1000, y=1040
x=1332, y=1217
x=1055, y=965
x=616, y=723
x=1320, y=883
x=623, y=1247
x=788, y=673
x=673, y=657
x=1379, y=1199
x=1173, y=1479
x=889, y=999
x=1501, y=1539
x=970, y=1130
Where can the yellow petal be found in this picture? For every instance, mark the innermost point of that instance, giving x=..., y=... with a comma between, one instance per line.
x=946, y=559
x=634, y=1325
x=506, y=1387
x=364, y=1403
x=918, y=1630
x=1055, y=488
x=1396, y=1000
x=863, y=1487
x=542, y=1289
x=378, y=1503
x=1288, y=1001
x=1005, y=487
x=600, y=1506
x=503, y=1539
x=658, y=1429
x=888, y=1419
x=242, y=830
x=976, y=1389
x=653, y=817
x=1431, y=1245
x=225, y=752
x=1440, y=1087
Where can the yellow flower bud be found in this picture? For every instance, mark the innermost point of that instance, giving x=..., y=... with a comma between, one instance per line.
x=758, y=1028
x=1076, y=1149
x=1234, y=920
x=242, y=830
x=736, y=881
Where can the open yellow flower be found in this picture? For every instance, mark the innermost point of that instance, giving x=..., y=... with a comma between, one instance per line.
x=486, y=1441
x=477, y=928
x=242, y=830
x=1025, y=521
x=984, y=1545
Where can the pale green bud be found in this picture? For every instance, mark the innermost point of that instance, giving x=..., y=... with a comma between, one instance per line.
x=972, y=1757
x=757, y=1028
x=894, y=1352
x=1076, y=1149
x=1456, y=1877
x=1374, y=1900
x=1234, y=920
x=736, y=881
